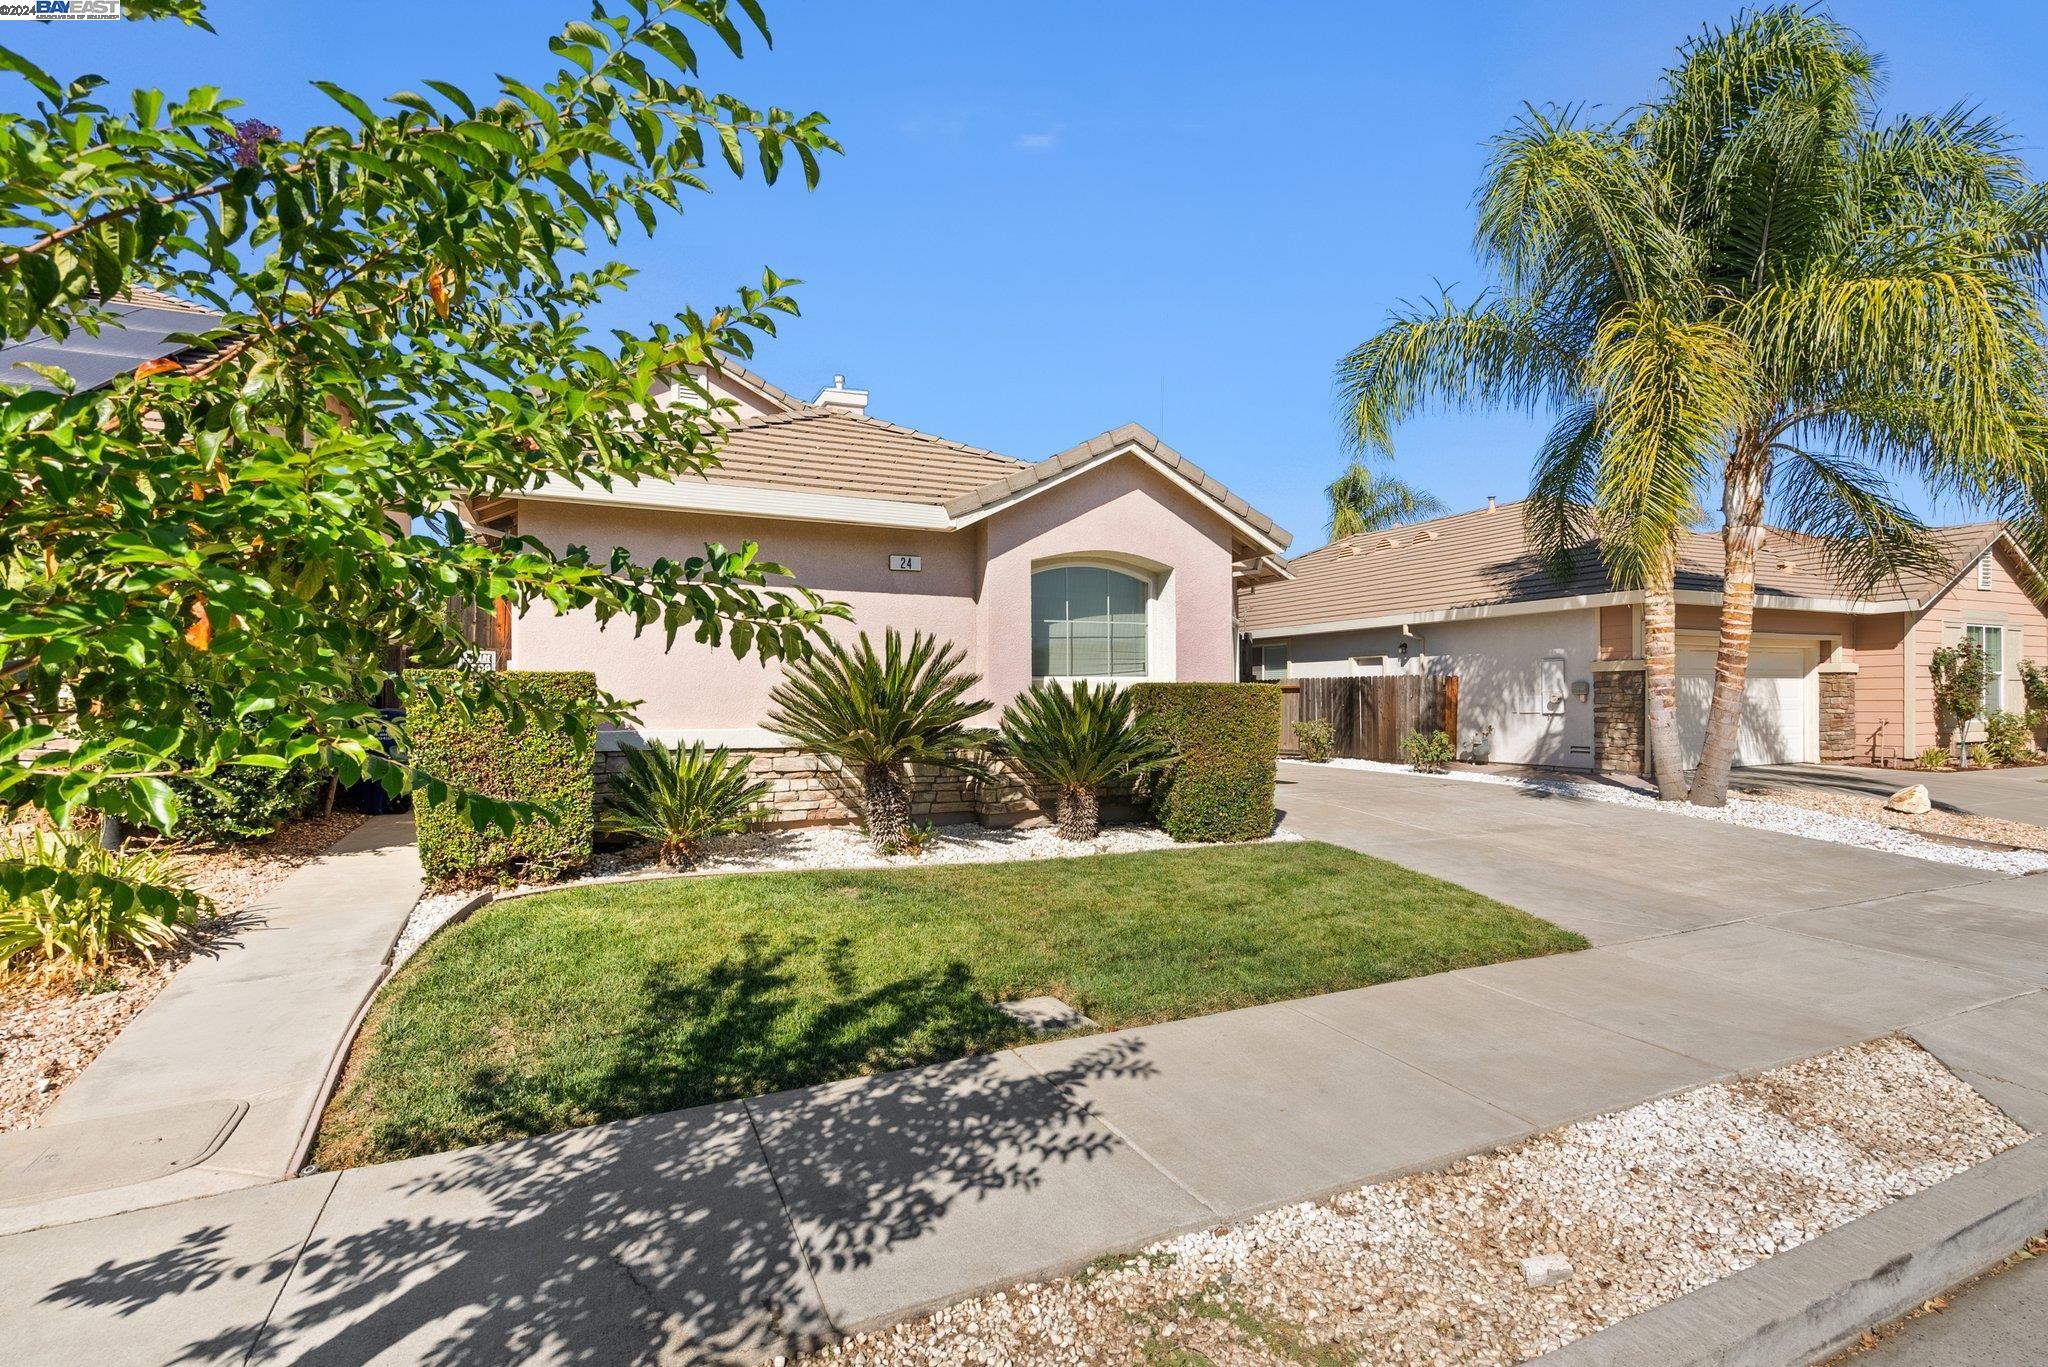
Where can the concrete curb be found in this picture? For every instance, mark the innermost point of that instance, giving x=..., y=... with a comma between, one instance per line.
x=1818, y=1299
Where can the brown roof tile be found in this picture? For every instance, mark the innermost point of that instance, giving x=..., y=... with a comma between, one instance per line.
x=820, y=450
x=1485, y=558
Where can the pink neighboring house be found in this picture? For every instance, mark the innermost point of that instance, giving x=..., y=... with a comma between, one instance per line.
x=1117, y=559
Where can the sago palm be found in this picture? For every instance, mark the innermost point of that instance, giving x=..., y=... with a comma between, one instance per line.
x=1363, y=499
x=1746, y=293
x=679, y=798
x=877, y=713
x=1080, y=740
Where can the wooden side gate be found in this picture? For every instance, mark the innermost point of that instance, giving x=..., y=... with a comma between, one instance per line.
x=1370, y=716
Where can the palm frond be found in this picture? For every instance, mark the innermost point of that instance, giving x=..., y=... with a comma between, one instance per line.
x=1489, y=352
x=1363, y=500
x=896, y=706
x=1867, y=536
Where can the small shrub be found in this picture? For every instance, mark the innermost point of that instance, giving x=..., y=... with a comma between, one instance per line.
x=1958, y=675
x=241, y=801
x=679, y=798
x=1315, y=738
x=1429, y=752
x=2008, y=738
x=499, y=756
x=1228, y=740
x=917, y=840
x=876, y=712
x=1980, y=756
x=1934, y=757
x=77, y=937
x=1080, y=740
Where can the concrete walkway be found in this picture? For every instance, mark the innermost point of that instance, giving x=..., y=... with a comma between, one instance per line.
x=214, y=1084
x=734, y=1230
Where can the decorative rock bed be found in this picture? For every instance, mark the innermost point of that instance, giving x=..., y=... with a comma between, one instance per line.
x=1635, y=1208
x=1782, y=818
x=814, y=847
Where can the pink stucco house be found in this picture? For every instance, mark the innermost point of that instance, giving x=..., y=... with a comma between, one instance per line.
x=1117, y=559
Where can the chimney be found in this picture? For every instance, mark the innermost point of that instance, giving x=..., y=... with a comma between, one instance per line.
x=840, y=399
x=1490, y=503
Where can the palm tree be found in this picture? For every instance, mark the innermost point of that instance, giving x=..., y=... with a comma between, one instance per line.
x=1080, y=741
x=878, y=713
x=1364, y=500
x=1746, y=292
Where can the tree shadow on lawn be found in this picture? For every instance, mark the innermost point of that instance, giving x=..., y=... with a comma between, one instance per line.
x=745, y=1026
x=664, y=1238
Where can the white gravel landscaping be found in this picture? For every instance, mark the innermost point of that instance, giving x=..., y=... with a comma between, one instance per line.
x=814, y=847
x=1645, y=1205
x=1756, y=813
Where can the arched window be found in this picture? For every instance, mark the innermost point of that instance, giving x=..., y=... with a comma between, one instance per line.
x=1088, y=622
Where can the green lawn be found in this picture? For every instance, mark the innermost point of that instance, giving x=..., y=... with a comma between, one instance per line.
x=600, y=1003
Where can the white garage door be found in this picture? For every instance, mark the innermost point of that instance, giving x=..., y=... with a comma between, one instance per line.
x=1774, y=705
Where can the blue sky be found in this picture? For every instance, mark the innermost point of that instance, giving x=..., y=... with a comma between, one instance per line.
x=1054, y=218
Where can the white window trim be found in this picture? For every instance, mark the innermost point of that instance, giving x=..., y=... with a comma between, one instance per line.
x=1159, y=616
x=1993, y=681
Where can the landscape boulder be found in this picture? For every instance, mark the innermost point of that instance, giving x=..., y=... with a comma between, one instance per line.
x=1913, y=800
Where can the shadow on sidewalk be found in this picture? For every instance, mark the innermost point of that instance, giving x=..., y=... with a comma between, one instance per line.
x=663, y=1238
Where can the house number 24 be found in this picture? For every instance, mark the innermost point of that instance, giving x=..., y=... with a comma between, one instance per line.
x=906, y=562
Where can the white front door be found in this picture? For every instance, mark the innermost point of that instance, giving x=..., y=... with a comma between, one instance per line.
x=1774, y=704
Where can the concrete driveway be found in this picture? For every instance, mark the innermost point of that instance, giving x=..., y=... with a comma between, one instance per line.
x=2014, y=794
x=1616, y=873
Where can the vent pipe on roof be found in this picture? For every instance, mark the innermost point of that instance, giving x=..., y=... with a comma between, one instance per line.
x=840, y=399
x=1490, y=503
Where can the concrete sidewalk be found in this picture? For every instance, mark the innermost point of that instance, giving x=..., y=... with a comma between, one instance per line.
x=213, y=1085
x=735, y=1230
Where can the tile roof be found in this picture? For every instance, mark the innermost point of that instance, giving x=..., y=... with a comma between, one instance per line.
x=1485, y=558
x=820, y=450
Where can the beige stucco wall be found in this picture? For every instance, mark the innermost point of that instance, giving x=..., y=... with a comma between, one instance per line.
x=699, y=688
x=1124, y=513
x=974, y=589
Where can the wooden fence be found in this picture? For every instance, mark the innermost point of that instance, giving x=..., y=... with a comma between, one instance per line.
x=1370, y=717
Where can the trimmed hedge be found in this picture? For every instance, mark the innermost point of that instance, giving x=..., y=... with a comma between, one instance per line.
x=552, y=769
x=1221, y=788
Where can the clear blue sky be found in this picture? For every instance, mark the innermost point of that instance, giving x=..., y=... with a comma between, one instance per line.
x=1054, y=218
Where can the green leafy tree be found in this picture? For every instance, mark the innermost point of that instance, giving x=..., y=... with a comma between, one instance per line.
x=678, y=798
x=1363, y=499
x=1747, y=291
x=255, y=534
x=877, y=713
x=1079, y=740
x=1957, y=674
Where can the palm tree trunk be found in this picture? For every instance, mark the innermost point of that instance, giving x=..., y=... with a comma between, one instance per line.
x=1742, y=507
x=1079, y=813
x=888, y=807
x=1660, y=685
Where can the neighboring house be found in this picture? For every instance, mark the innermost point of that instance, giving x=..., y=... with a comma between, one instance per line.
x=1114, y=560
x=141, y=330
x=1550, y=668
